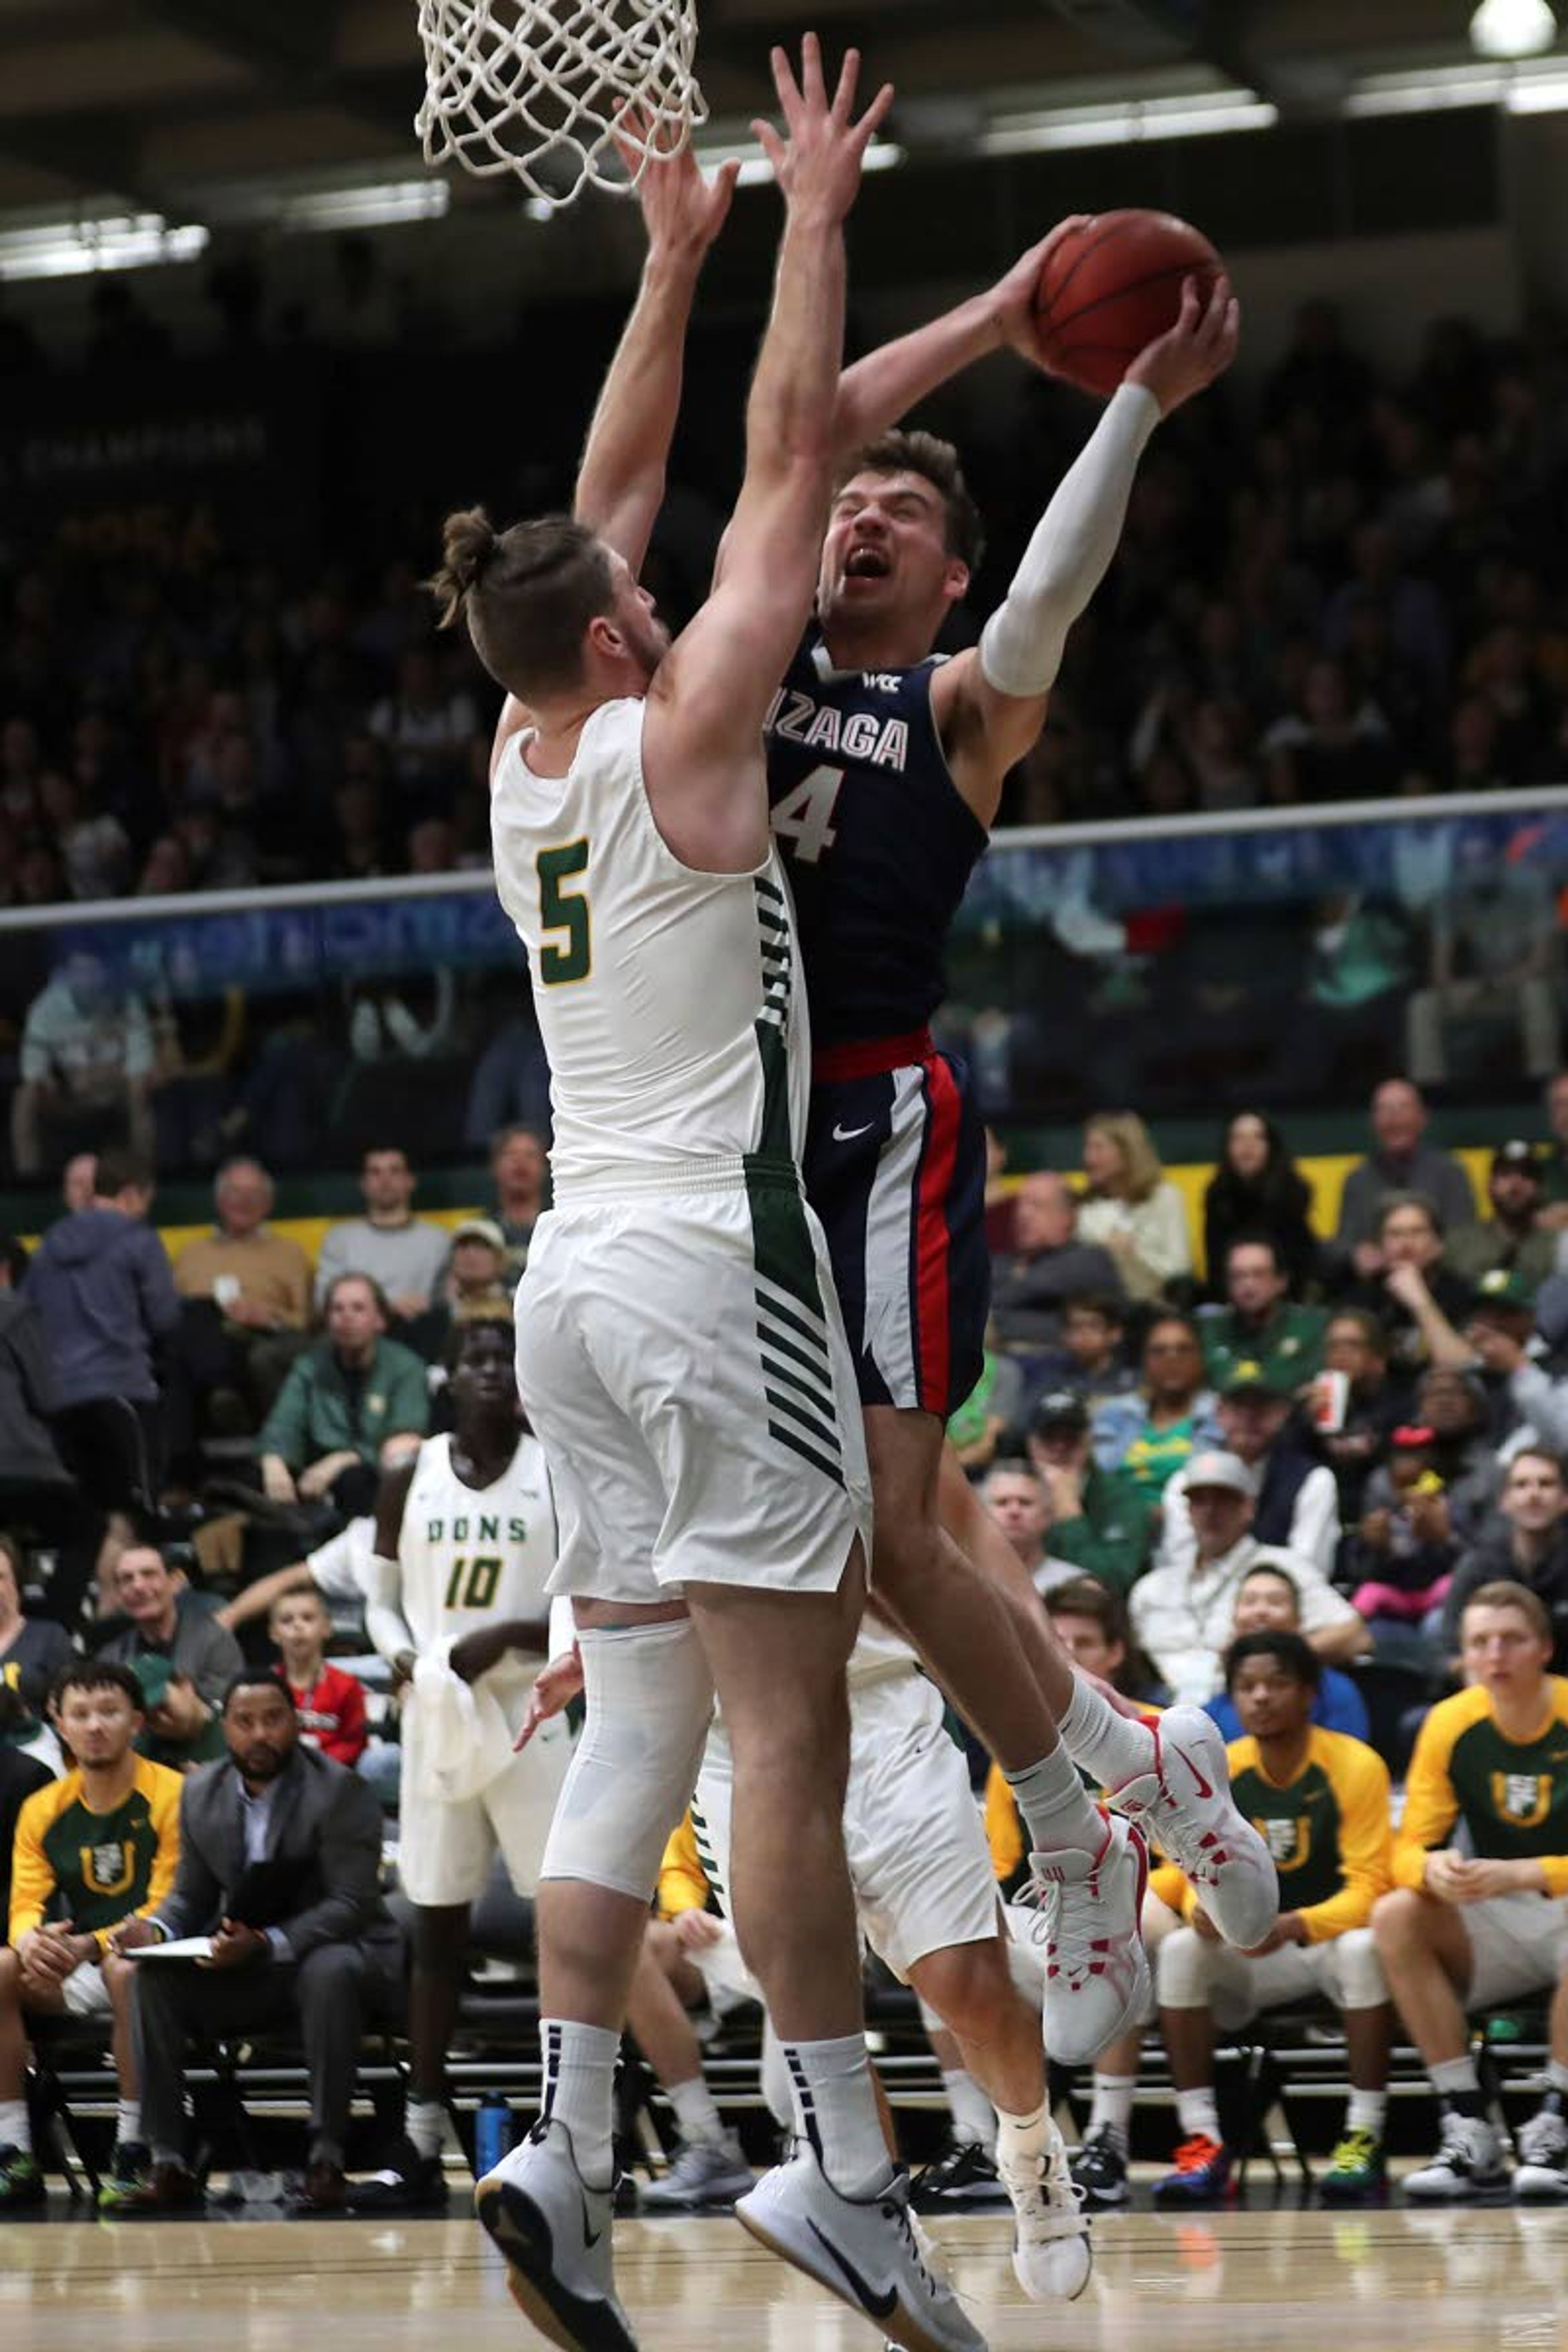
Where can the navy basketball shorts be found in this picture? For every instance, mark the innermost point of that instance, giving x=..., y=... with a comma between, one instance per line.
x=895, y=1168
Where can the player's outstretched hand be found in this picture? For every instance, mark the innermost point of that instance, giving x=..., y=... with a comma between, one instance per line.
x=554, y=1687
x=682, y=212
x=1198, y=347
x=817, y=162
x=1014, y=297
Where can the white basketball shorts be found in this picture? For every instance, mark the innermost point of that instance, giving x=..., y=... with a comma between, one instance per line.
x=916, y=1846
x=445, y=1848
x=681, y=1356
x=1519, y=1944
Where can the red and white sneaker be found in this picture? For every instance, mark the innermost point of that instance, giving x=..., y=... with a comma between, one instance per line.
x=1097, y=1974
x=1185, y=1807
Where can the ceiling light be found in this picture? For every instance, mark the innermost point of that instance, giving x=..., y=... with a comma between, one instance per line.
x=386, y=204
x=74, y=248
x=1205, y=114
x=1512, y=28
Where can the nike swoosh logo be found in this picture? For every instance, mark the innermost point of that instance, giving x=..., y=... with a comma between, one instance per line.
x=880, y=2306
x=1204, y=1789
x=589, y=2237
x=848, y=1134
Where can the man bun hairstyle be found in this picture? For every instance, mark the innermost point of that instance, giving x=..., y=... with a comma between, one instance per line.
x=527, y=595
x=936, y=461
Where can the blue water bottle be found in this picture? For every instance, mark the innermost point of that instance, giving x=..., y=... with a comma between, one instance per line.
x=493, y=2131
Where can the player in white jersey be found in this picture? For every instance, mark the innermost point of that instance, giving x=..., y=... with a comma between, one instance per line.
x=927, y=1901
x=679, y=1346
x=893, y=567
x=459, y=1605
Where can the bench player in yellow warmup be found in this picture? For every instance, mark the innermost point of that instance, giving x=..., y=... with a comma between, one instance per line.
x=1466, y=1932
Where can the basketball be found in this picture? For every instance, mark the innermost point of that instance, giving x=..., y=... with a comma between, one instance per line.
x=1110, y=289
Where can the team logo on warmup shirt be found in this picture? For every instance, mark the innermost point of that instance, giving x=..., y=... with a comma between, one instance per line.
x=1523, y=1797
x=109, y=1868
x=1290, y=1843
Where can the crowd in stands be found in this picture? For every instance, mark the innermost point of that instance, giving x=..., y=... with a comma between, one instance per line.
x=1316, y=1487
x=1371, y=606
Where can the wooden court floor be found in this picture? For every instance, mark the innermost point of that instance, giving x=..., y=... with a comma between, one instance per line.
x=1255, y=2280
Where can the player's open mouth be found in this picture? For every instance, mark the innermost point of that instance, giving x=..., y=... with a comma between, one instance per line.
x=866, y=564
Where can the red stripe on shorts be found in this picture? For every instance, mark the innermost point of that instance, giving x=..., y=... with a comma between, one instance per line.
x=871, y=1058
x=937, y=1163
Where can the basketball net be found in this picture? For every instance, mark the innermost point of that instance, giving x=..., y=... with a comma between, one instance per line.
x=545, y=88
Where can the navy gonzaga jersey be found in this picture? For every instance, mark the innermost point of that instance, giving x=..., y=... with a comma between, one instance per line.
x=879, y=842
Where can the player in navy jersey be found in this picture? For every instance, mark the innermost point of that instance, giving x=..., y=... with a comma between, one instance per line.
x=885, y=768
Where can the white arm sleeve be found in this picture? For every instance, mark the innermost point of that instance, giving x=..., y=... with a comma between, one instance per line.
x=563, y=1626
x=383, y=1618
x=1069, y=554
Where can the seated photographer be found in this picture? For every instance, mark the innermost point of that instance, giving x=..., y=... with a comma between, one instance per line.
x=280, y=1865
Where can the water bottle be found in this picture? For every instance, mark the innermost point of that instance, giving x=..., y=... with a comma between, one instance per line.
x=493, y=2131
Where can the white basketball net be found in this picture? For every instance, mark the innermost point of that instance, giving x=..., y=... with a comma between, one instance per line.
x=543, y=88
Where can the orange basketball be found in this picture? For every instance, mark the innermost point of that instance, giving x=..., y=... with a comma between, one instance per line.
x=1112, y=286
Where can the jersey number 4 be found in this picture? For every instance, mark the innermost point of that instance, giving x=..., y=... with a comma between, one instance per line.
x=804, y=817
x=564, y=909
x=472, y=1584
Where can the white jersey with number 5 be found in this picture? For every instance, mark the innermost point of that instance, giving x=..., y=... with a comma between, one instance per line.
x=470, y=1555
x=670, y=1001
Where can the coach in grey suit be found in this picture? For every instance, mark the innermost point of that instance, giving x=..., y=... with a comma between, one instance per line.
x=279, y=1863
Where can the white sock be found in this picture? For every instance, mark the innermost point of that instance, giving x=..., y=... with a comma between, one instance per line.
x=1020, y=2138
x=1112, y=2108
x=128, y=2122
x=836, y=2111
x=15, y=2131
x=701, y=2123
x=973, y=2116
x=579, y=2090
x=426, y=2127
x=1367, y=2111
x=1114, y=1748
x=1056, y=1806
x=1454, y=2077
x=1197, y=2114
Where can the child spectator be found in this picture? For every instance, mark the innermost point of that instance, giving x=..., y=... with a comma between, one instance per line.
x=330, y=1702
x=1404, y=1552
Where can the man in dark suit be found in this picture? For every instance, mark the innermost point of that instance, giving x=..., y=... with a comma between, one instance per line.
x=280, y=1864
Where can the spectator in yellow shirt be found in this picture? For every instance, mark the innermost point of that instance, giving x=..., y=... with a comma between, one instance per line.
x=1322, y=1801
x=1470, y=1931
x=92, y=1850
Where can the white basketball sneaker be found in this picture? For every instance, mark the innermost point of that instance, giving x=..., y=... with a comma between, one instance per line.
x=554, y=2231
x=1097, y=1973
x=864, y=2250
x=1184, y=1806
x=1051, y=2256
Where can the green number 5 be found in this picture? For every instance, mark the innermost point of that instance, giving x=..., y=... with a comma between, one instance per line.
x=563, y=910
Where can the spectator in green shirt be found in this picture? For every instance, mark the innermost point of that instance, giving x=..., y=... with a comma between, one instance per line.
x=1555, y=1157
x=1101, y=1524
x=1512, y=1240
x=1258, y=1324
x=354, y=1406
x=1143, y=1439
